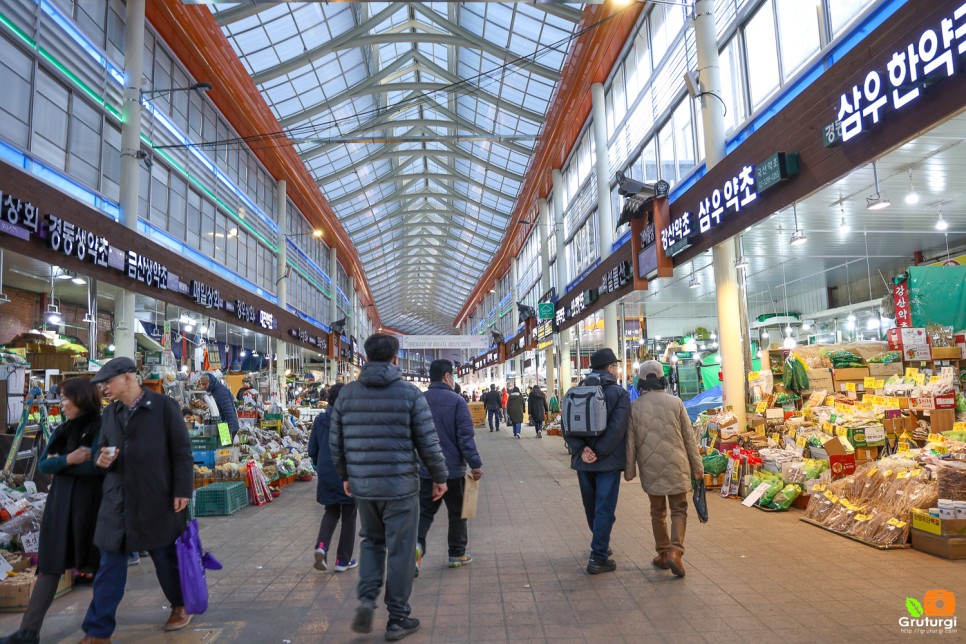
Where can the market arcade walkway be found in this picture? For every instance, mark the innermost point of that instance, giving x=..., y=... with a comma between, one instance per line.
x=752, y=576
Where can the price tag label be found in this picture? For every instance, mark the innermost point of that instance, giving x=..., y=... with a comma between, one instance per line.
x=959, y=427
x=947, y=373
x=920, y=379
x=791, y=432
x=224, y=434
x=936, y=438
x=842, y=431
x=30, y=541
x=761, y=407
x=753, y=376
x=903, y=446
x=869, y=383
x=828, y=428
x=800, y=441
x=760, y=430
x=829, y=401
x=777, y=438
x=896, y=523
x=933, y=379
x=879, y=384
x=818, y=487
x=894, y=402
x=862, y=517
x=911, y=373
x=850, y=386
x=872, y=472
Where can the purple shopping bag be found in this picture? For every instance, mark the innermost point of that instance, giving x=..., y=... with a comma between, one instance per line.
x=192, y=563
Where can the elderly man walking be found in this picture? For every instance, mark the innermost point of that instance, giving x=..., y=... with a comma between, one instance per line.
x=378, y=426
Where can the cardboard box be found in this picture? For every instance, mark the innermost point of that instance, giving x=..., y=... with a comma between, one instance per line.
x=852, y=373
x=961, y=342
x=864, y=454
x=947, y=353
x=840, y=462
x=945, y=547
x=877, y=370
x=921, y=520
x=820, y=380
x=895, y=426
x=940, y=420
x=15, y=591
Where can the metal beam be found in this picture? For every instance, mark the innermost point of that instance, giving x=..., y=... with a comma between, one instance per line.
x=239, y=12
x=339, y=42
x=560, y=10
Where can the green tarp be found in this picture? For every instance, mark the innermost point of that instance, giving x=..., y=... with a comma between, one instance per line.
x=937, y=295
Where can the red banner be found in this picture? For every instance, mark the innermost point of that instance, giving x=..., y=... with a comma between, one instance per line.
x=903, y=311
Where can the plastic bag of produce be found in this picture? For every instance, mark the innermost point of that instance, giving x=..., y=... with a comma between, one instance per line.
x=715, y=463
x=786, y=496
x=886, y=358
x=775, y=486
x=842, y=359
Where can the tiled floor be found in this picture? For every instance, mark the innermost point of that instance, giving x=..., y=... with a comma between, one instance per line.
x=752, y=576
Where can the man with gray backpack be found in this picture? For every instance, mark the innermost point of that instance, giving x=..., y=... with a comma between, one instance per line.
x=594, y=418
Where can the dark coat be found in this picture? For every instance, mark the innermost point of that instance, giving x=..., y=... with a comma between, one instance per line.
x=454, y=426
x=378, y=425
x=70, y=515
x=329, y=490
x=537, y=406
x=611, y=446
x=514, y=407
x=153, y=467
x=225, y=402
x=492, y=400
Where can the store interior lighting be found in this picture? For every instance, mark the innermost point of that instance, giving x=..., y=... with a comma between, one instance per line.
x=60, y=273
x=875, y=201
x=694, y=283
x=844, y=226
x=798, y=237
x=77, y=279
x=789, y=343
x=53, y=314
x=913, y=196
x=941, y=223
x=189, y=328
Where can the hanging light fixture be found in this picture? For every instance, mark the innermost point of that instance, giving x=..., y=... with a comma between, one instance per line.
x=875, y=201
x=77, y=279
x=798, y=237
x=789, y=343
x=912, y=197
x=694, y=283
x=844, y=227
x=941, y=223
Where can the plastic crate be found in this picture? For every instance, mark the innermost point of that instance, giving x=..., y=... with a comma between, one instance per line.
x=204, y=457
x=205, y=442
x=219, y=499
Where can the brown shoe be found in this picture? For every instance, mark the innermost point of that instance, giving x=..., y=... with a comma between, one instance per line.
x=660, y=561
x=178, y=620
x=674, y=563
x=95, y=640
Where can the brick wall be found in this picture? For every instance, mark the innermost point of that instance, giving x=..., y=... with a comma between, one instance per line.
x=26, y=310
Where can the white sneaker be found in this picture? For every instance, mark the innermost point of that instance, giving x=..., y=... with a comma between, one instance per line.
x=320, y=553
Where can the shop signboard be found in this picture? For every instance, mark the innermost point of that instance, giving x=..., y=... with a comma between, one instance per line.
x=775, y=169
x=545, y=310
x=205, y=295
x=491, y=358
x=319, y=341
x=736, y=193
x=903, y=309
x=922, y=61
x=616, y=278
x=647, y=256
x=545, y=331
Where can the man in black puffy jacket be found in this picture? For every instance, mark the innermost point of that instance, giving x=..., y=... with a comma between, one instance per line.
x=378, y=426
x=223, y=398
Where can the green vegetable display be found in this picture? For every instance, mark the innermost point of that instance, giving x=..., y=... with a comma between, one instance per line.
x=795, y=377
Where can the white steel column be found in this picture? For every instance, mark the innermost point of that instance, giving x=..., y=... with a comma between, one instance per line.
x=546, y=229
x=517, y=362
x=124, y=323
x=605, y=222
x=563, y=338
x=281, y=279
x=333, y=369
x=730, y=332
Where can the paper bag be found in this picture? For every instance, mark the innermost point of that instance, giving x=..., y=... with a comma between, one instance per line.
x=471, y=494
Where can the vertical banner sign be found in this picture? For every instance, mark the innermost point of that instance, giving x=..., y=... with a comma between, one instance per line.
x=166, y=336
x=903, y=310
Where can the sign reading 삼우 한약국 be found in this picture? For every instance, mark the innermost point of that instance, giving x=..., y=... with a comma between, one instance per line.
x=444, y=342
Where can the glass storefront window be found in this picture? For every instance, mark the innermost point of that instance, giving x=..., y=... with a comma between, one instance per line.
x=732, y=86
x=683, y=138
x=649, y=162
x=841, y=13
x=762, y=58
x=798, y=33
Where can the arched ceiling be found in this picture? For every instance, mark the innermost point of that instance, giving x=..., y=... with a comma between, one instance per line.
x=417, y=120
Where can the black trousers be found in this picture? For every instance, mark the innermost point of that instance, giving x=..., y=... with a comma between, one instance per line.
x=458, y=536
x=347, y=537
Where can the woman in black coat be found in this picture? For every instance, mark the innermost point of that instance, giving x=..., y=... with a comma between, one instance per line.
x=537, y=407
x=331, y=494
x=67, y=528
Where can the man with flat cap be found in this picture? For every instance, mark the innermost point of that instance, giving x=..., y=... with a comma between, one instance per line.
x=145, y=450
x=599, y=460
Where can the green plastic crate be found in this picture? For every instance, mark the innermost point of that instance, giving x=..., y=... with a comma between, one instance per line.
x=200, y=443
x=220, y=499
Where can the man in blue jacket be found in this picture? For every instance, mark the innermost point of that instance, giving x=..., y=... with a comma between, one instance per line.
x=223, y=398
x=599, y=461
x=454, y=426
x=378, y=425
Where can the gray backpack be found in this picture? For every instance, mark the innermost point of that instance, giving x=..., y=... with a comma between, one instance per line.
x=584, y=410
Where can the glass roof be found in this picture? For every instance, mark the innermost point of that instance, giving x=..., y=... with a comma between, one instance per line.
x=418, y=121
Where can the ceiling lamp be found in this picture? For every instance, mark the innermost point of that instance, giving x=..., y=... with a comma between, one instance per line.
x=941, y=224
x=111, y=348
x=851, y=317
x=912, y=197
x=789, y=343
x=764, y=334
x=203, y=330
x=875, y=201
x=77, y=279
x=60, y=273
x=806, y=326
x=798, y=237
x=189, y=328
x=844, y=227
x=53, y=314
